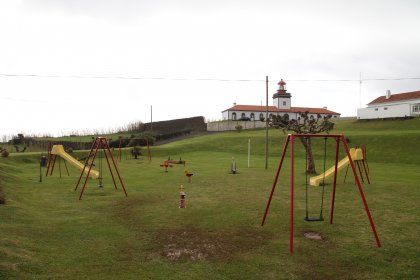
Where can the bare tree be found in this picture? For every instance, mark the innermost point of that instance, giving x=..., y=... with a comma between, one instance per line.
x=306, y=124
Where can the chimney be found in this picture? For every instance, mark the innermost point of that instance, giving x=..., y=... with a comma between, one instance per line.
x=388, y=94
x=234, y=104
x=325, y=107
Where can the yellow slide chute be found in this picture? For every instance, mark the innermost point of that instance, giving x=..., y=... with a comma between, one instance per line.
x=356, y=154
x=59, y=151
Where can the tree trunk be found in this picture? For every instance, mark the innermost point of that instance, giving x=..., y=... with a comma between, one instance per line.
x=308, y=147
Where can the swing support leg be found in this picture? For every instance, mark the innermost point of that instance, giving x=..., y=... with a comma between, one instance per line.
x=335, y=179
x=339, y=138
x=362, y=195
x=292, y=185
x=275, y=179
x=366, y=172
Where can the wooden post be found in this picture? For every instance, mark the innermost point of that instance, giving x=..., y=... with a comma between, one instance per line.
x=266, y=122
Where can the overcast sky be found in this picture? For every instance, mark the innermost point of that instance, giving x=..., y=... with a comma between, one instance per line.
x=104, y=63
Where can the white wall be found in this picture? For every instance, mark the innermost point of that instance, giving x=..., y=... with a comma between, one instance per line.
x=230, y=125
x=278, y=102
x=226, y=116
x=384, y=111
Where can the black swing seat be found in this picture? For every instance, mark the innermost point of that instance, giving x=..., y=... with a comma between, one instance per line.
x=314, y=219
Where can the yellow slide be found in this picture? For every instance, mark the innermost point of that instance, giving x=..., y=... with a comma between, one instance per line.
x=356, y=154
x=59, y=151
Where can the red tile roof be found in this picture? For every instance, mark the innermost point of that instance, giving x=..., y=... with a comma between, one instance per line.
x=396, y=97
x=271, y=109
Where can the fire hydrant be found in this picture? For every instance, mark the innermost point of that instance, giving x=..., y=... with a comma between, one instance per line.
x=182, y=197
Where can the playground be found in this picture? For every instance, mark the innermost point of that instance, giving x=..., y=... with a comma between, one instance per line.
x=50, y=231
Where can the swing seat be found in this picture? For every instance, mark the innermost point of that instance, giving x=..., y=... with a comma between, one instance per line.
x=314, y=219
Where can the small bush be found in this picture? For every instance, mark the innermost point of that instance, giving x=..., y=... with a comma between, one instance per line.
x=238, y=127
x=4, y=153
x=2, y=197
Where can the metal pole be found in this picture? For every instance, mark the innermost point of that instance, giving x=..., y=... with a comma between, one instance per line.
x=116, y=169
x=249, y=150
x=109, y=166
x=90, y=167
x=86, y=163
x=40, y=169
x=266, y=122
x=360, y=90
x=151, y=118
x=275, y=179
x=372, y=225
x=292, y=185
x=337, y=140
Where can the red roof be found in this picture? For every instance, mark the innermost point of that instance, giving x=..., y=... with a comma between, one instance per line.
x=256, y=108
x=396, y=97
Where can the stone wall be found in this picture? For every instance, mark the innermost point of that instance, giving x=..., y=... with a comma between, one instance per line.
x=230, y=125
x=178, y=125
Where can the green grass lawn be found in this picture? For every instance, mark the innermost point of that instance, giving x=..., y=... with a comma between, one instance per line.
x=47, y=233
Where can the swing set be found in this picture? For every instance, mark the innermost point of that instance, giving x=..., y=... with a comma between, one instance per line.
x=100, y=144
x=123, y=139
x=338, y=138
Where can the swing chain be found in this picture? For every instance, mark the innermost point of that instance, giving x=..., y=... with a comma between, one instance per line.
x=320, y=218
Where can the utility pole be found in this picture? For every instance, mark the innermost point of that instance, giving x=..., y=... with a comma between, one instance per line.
x=360, y=90
x=266, y=122
x=151, y=118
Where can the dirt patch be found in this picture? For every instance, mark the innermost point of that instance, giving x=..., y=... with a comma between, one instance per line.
x=127, y=207
x=198, y=245
x=313, y=235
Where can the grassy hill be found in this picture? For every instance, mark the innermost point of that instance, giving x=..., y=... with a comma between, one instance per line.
x=47, y=233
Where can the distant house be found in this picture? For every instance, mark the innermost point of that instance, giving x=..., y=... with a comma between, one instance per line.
x=281, y=106
x=392, y=106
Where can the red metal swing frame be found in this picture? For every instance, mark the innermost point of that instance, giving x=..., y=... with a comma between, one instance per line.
x=100, y=143
x=338, y=138
x=149, y=156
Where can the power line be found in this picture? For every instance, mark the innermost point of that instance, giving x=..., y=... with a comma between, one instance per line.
x=198, y=79
x=125, y=78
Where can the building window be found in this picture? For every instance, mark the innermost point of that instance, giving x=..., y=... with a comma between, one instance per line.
x=416, y=108
x=233, y=116
x=261, y=116
x=252, y=116
x=270, y=116
x=242, y=115
x=386, y=108
x=284, y=103
x=376, y=109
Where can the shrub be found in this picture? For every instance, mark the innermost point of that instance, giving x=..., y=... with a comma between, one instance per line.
x=238, y=127
x=2, y=197
x=4, y=153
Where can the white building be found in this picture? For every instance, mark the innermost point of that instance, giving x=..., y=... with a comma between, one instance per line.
x=392, y=106
x=282, y=104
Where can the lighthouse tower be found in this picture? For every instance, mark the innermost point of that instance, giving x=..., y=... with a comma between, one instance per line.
x=282, y=99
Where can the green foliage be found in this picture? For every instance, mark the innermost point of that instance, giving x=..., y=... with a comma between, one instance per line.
x=4, y=153
x=305, y=125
